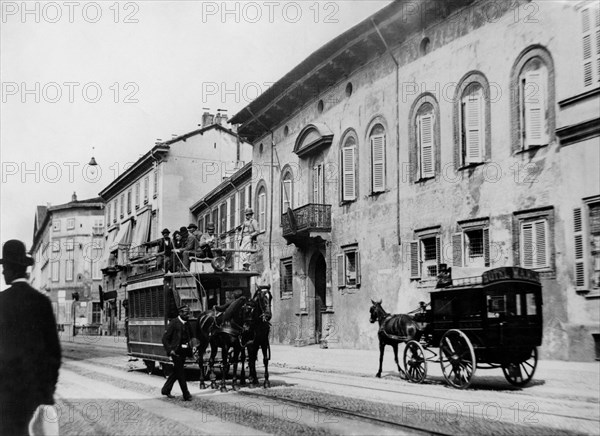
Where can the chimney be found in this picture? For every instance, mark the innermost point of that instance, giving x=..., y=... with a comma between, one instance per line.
x=74, y=196
x=207, y=119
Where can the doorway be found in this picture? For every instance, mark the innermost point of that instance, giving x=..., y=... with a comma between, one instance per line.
x=319, y=278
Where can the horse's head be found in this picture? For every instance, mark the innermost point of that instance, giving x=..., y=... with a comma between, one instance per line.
x=375, y=310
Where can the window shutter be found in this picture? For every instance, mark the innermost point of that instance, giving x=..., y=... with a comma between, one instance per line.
x=457, y=249
x=438, y=252
x=349, y=174
x=414, y=260
x=378, y=162
x=580, y=273
x=282, y=274
x=474, y=127
x=527, y=245
x=286, y=196
x=341, y=271
x=535, y=108
x=262, y=207
x=541, y=252
x=316, y=184
x=357, y=262
x=426, y=144
x=486, y=246
x=242, y=206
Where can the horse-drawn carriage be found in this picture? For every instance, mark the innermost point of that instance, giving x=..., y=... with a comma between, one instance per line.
x=491, y=321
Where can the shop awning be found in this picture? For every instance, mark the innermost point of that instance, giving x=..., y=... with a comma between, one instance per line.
x=141, y=229
x=109, y=246
x=123, y=238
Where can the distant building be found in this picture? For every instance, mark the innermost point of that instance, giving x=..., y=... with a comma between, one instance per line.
x=464, y=133
x=67, y=247
x=155, y=193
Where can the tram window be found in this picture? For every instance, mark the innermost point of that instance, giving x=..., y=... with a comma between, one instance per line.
x=496, y=305
x=518, y=310
x=531, y=306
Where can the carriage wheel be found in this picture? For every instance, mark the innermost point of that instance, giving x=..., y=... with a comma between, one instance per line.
x=457, y=359
x=519, y=374
x=414, y=362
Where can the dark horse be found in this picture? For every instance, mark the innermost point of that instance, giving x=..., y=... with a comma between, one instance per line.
x=225, y=335
x=260, y=327
x=393, y=329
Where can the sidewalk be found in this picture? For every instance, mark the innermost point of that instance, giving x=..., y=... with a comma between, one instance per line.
x=365, y=363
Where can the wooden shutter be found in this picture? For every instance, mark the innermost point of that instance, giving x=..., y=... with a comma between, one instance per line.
x=474, y=127
x=232, y=211
x=414, y=260
x=426, y=145
x=286, y=195
x=282, y=274
x=348, y=174
x=535, y=108
x=378, y=162
x=527, y=245
x=486, y=246
x=580, y=273
x=457, y=249
x=262, y=208
x=341, y=270
x=438, y=253
x=357, y=267
x=242, y=206
x=541, y=244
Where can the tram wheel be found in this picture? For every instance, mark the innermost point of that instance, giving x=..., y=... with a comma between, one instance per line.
x=150, y=366
x=415, y=363
x=521, y=373
x=166, y=369
x=457, y=359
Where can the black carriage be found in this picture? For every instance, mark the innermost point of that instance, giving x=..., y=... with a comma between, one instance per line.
x=153, y=298
x=491, y=321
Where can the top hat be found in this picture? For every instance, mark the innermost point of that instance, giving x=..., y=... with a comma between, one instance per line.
x=165, y=231
x=13, y=252
x=249, y=211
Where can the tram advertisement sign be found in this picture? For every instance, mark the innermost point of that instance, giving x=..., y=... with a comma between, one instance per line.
x=509, y=273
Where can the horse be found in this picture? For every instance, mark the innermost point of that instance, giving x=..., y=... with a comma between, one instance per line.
x=393, y=329
x=224, y=336
x=260, y=327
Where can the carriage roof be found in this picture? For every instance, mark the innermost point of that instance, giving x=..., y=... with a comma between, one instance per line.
x=491, y=277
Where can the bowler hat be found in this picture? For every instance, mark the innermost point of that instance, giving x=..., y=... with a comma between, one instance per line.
x=210, y=226
x=183, y=307
x=183, y=229
x=165, y=231
x=192, y=226
x=249, y=211
x=13, y=252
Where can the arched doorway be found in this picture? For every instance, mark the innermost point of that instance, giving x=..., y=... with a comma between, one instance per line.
x=318, y=275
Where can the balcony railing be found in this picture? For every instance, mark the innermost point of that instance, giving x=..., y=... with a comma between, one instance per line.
x=310, y=217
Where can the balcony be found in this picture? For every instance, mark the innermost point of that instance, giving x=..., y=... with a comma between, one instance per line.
x=306, y=222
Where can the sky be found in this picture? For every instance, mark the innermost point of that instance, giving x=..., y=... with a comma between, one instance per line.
x=110, y=78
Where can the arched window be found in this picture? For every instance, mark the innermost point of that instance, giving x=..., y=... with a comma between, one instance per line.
x=287, y=190
x=377, y=142
x=261, y=208
x=472, y=141
x=532, y=99
x=424, y=131
x=349, y=167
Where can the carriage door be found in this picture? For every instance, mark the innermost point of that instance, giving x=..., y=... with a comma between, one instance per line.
x=319, y=280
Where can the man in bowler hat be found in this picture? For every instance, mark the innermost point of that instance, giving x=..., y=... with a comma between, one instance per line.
x=30, y=351
x=165, y=248
x=176, y=342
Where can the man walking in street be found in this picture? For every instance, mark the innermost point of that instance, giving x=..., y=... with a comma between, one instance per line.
x=176, y=342
x=30, y=351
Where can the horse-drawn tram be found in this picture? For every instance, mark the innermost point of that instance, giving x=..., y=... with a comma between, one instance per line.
x=154, y=296
x=491, y=321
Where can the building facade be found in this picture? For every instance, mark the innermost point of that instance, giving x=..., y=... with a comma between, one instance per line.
x=463, y=133
x=224, y=206
x=155, y=193
x=67, y=247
